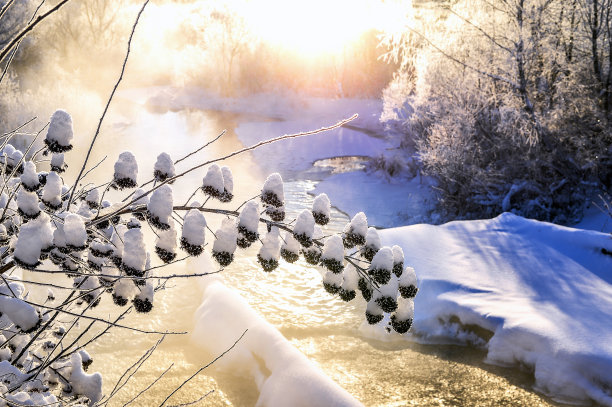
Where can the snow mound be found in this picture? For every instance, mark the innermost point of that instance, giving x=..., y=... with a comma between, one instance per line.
x=539, y=294
x=283, y=375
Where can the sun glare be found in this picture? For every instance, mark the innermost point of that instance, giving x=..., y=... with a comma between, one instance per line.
x=315, y=27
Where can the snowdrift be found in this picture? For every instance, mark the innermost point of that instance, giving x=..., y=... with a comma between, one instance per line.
x=534, y=294
x=282, y=374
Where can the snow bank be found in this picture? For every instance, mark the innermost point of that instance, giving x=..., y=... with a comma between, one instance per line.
x=537, y=294
x=283, y=375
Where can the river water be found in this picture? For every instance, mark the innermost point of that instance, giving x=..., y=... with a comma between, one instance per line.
x=326, y=330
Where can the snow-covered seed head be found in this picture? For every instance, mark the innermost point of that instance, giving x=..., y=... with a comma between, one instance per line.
x=42, y=177
x=374, y=314
x=304, y=228
x=332, y=282
x=365, y=287
x=57, y=163
x=91, y=289
x=398, y=260
x=401, y=320
x=269, y=252
x=381, y=266
x=332, y=257
x=29, y=178
x=194, y=232
x=134, y=254
x=4, y=236
x=93, y=198
x=321, y=209
x=74, y=232
x=160, y=206
x=164, y=168
x=272, y=192
x=225, y=242
x=212, y=184
x=165, y=245
x=350, y=280
x=248, y=222
x=123, y=290
x=372, y=244
x=32, y=236
x=408, y=283
x=133, y=223
x=52, y=191
x=290, y=249
x=27, y=204
x=277, y=214
x=60, y=133
x=126, y=171
x=100, y=249
x=228, y=185
x=355, y=231
x=143, y=301
x=312, y=254
x=94, y=261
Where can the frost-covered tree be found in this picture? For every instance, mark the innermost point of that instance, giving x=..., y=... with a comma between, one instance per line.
x=506, y=104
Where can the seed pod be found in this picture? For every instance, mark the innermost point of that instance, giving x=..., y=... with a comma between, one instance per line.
x=321, y=209
x=126, y=171
x=290, y=250
x=349, y=283
x=248, y=222
x=374, y=314
x=29, y=178
x=212, y=184
x=27, y=204
x=52, y=191
x=304, y=228
x=164, y=168
x=93, y=198
x=382, y=265
x=408, y=283
x=59, y=133
x=272, y=192
x=143, y=301
x=401, y=320
x=57, y=163
x=355, y=231
x=398, y=260
x=225, y=243
x=332, y=282
x=332, y=257
x=372, y=244
x=194, y=233
x=269, y=252
x=159, y=208
x=228, y=185
x=165, y=244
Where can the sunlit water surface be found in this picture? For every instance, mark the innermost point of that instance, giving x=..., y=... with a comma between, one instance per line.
x=291, y=298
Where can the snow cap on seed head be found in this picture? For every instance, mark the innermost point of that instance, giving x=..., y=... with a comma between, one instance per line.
x=60, y=133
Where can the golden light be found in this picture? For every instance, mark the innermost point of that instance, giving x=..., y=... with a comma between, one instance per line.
x=316, y=27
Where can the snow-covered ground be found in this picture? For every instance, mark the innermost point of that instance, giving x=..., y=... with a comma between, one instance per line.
x=535, y=295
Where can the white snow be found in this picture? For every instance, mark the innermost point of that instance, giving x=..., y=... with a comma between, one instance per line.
x=226, y=237
x=228, y=179
x=249, y=216
x=322, y=205
x=74, y=230
x=304, y=224
x=333, y=249
x=93, y=196
x=543, y=291
x=60, y=128
x=194, y=228
x=283, y=375
x=398, y=254
x=118, y=239
x=53, y=189
x=34, y=236
x=271, y=245
x=334, y=279
x=89, y=385
x=274, y=185
x=165, y=165
x=19, y=312
x=166, y=239
x=290, y=244
x=141, y=201
x=373, y=239
x=390, y=289
x=29, y=176
x=213, y=179
x=28, y=202
x=126, y=167
x=350, y=278
x=408, y=277
x=134, y=250
x=383, y=259
x=57, y=161
x=358, y=225
x=405, y=309
x=161, y=203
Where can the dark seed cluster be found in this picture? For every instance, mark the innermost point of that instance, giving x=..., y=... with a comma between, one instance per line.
x=270, y=198
x=223, y=258
x=312, y=256
x=142, y=306
x=320, y=218
x=165, y=255
x=191, y=249
x=123, y=183
x=56, y=147
x=408, y=292
x=267, y=264
x=347, y=295
x=373, y=318
x=365, y=288
x=331, y=288
x=352, y=239
x=381, y=276
x=398, y=269
x=401, y=327
x=289, y=256
x=333, y=265
x=368, y=252
x=387, y=304
x=304, y=239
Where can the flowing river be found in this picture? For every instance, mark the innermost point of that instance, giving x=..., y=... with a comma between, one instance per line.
x=326, y=330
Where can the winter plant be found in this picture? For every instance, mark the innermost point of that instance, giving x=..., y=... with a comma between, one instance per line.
x=70, y=239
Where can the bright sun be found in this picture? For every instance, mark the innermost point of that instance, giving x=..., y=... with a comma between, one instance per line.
x=315, y=27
